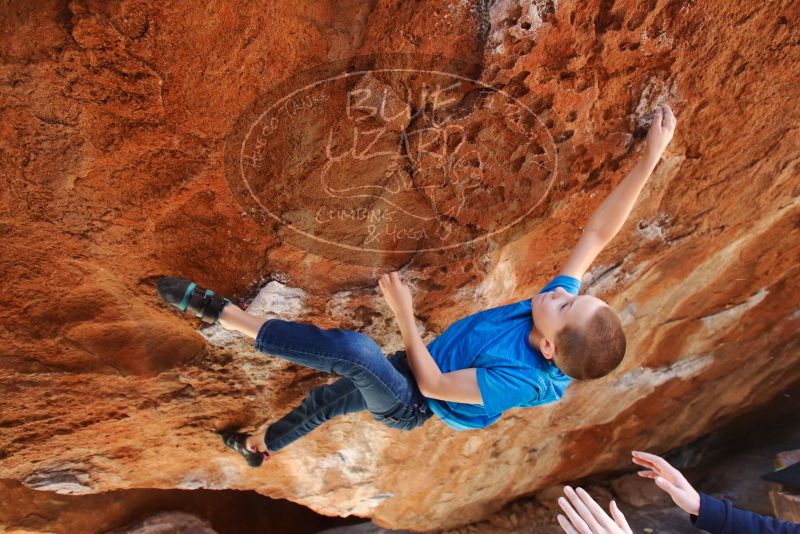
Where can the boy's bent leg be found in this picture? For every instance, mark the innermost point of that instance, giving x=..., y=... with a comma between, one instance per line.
x=338, y=351
x=321, y=404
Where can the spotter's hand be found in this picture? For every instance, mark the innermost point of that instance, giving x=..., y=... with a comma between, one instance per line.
x=585, y=516
x=670, y=480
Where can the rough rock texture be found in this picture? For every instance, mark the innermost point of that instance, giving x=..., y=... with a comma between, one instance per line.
x=114, y=120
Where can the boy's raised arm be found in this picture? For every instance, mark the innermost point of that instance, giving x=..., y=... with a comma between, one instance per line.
x=611, y=214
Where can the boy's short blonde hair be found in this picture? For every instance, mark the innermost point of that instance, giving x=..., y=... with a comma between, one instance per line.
x=593, y=352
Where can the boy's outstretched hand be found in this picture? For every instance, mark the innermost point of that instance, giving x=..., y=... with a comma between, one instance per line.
x=670, y=480
x=660, y=133
x=397, y=294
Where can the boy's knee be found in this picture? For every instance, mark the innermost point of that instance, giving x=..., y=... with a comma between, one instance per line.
x=362, y=348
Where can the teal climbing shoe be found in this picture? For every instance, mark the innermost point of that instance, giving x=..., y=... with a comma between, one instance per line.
x=188, y=296
x=236, y=441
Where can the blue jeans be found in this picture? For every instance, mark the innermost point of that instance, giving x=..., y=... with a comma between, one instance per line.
x=385, y=386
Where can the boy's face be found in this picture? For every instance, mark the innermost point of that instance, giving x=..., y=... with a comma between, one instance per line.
x=553, y=310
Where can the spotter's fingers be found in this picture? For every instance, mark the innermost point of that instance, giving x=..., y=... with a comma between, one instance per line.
x=619, y=519
x=579, y=524
x=566, y=525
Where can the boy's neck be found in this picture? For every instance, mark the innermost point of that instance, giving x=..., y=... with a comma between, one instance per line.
x=535, y=338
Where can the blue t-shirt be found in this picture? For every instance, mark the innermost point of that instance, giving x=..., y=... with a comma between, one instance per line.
x=510, y=372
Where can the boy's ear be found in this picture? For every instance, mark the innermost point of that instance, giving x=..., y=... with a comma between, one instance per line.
x=547, y=348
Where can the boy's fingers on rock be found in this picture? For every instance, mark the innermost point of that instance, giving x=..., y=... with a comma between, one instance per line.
x=657, y=116
x=669, y=117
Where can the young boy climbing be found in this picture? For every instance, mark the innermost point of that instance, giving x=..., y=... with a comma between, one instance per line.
x=522, y=354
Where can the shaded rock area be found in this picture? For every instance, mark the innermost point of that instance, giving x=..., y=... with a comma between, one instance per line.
x=227, y=512
x=177, y=522
x=114, y=122
x=726, y=464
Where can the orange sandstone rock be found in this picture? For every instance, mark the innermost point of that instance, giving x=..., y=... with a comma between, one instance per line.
x=115, y=117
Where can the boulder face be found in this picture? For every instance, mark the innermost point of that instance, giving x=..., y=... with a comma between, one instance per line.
x=115, y=121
